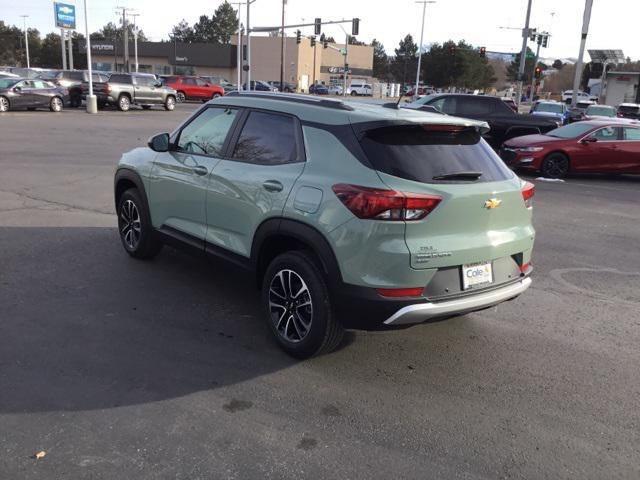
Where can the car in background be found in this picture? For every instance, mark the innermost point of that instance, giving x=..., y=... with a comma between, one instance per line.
x=193, y=88
x=260, y=86
x=126, y=89
x=511, y=102
x=349, y=215
x=582, y=105
x=335, y=89
x=4, y=74
x=288, y=87
x=421, y=91
x=28, y=73
x=595, y=146
x=31, y=94
x=552, y=110
x=567, y=96
x=72, y=80
x=504, y=122
x=360, y=88
x=318, y=89
x=629, y=110
x=223, y=82
x=599, y=112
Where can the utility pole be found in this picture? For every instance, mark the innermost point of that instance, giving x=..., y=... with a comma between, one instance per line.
x=424, y=8
x=586, y=18
x=282, y=50
x=26, y=38
x=135, y=38
x=125, y=35
x=523, y=53
x=63, y=45
x=346, y=65
x=239, y=49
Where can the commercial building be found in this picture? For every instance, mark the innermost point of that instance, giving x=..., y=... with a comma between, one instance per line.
x=303, y=64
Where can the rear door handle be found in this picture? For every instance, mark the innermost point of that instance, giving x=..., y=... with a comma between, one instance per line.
x=272, y=186
x=200, y=170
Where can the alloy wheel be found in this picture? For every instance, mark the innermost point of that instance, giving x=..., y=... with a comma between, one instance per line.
x=130, y=226
x=290, y=305
x=170, y=103
x=56, y=104
x=555, y=166
x=4, y=104
x=181, y=97
x=124, y=103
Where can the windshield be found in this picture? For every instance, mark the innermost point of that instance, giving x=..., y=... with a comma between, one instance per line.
x=548, y=107
x=571, y=131
x=601, y=111
x=7, y=82
x=422, y=100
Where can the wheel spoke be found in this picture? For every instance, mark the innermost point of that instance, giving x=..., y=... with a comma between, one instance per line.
x=295, y=325
x=291, y=314
x=271, y=290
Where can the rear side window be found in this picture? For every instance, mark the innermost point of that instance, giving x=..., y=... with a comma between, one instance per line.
x=632, y=134
x=267, y=139
x=420, y=153
x=474, y=106
x=119, y=78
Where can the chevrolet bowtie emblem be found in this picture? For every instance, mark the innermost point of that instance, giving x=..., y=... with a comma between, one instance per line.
x=492, y=203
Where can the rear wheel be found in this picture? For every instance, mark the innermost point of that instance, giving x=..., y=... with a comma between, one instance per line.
x=555, y=165
x=134, y=225
x=124, y=104
x=181, y=97
x=4, y=104
x=170, y=103
x=55, y=105
x=216, y=95
x=298, y=307
x=354, y=93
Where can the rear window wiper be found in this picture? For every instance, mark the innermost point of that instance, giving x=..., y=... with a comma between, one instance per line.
x=459, y=176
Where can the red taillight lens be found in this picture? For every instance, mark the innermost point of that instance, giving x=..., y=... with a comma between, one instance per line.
x=107, y=88
x=378, y=204
x=400, y=292
x=528, y=191
x=525, y=267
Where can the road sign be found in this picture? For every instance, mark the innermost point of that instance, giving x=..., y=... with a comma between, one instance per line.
x=65, y=15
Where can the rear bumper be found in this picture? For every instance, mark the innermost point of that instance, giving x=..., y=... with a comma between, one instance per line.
x=424, y=311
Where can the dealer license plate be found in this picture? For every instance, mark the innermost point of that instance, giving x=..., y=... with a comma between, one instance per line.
x=476, y=274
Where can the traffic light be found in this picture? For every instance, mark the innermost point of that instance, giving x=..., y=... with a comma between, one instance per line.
x=532, y=34
x=318, y=26
x=325, y=44
x=298, y=36
x=313, y=41
x=355, y=26
x=545, y=41
x=539, y=39
x=483, y=52
x=452, y=49
x=538, y=72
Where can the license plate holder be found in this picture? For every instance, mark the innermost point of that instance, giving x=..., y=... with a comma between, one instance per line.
x=477, y=275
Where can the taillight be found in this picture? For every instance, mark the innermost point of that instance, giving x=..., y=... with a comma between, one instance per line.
x=528, y=191
x=107, y=88
x=525, y=267
x=378, y=204
x=400, y=292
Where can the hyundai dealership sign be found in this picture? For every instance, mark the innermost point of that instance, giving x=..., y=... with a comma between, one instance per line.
x=65, y=15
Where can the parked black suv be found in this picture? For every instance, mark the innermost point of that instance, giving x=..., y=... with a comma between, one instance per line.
x=504, y=122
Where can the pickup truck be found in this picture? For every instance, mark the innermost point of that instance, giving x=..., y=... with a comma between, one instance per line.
x=504, y=123
x=126, y=89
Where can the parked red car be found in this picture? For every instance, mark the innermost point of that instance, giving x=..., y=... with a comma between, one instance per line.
x=590, y=146
x=193, y=88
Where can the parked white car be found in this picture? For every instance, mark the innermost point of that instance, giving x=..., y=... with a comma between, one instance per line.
x=360, y=88
x=335, y=89
x=568, y=94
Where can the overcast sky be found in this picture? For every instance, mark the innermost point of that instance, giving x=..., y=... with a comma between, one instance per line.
x=613, y=22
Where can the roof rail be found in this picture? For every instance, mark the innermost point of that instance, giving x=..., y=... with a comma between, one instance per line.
x=295, y=98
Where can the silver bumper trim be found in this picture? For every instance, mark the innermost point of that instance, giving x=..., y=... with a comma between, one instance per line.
x=424, y=311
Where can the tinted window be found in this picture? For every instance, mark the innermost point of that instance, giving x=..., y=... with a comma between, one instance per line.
x=200, y=82
x=119, y=78
x=627, y=109
x=268, y=139
x=549, y=107
x=415, y=152
x=632, y=133
x=7, y=82
x=571, y=131
x=189, y=81
x=206, y=134
x=607, y=134
x=445, y=105
x=474, y=106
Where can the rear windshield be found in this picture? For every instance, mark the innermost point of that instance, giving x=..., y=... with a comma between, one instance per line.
x=548, y=107
x=420, y=153
x=602, y=111
x=571, y=131
x=628, y=109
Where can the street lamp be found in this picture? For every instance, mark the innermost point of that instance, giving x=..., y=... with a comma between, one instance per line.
x=92, y=102
x=424, y=8
x=26, y=38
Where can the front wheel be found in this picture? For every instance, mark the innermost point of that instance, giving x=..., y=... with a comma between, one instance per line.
x=298, y=306
x=124, y=104
x=170, y=103
x=55, y=105
x=134, y=225
x=555, y=165
x=4, y=104
x=181, y=97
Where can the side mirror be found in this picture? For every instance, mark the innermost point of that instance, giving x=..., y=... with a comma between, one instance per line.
x=159, y=142
x=17, y=89
x=588, y=140
x=158, y=83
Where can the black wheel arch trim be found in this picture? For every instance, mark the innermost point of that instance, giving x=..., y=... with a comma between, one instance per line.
x=130, y=175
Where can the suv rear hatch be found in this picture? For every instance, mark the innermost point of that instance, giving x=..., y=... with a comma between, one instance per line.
x=481, y=217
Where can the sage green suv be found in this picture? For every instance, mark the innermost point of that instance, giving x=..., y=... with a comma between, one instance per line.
x=351, y=215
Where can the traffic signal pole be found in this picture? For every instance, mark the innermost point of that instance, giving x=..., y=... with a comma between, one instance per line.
x=586, y=18
x=523, y=53
x=535, y=65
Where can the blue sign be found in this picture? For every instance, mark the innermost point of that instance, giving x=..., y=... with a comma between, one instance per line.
x=65, y=15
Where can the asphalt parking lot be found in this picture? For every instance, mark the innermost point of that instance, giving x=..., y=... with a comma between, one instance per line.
x=121, y=369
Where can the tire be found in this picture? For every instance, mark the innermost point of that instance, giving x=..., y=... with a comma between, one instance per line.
x=181, y=97
x=216, y=95
x=55, y=105
x=124, y=103
x=555, y=165
x=354, y=93
x=75, y=102
x=170, y=103
x=146, y=107
x=101, y=105
x=308, y=328
x=5, y=105
x=135, y=228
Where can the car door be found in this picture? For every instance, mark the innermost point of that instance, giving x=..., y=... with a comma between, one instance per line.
x=190, y=88
x=598, y=151
x=25, y=97
x=204, y=89
x=628, y=158
x=266, y=158
x=179, y=178
x=141, y=90
x=41, y=94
